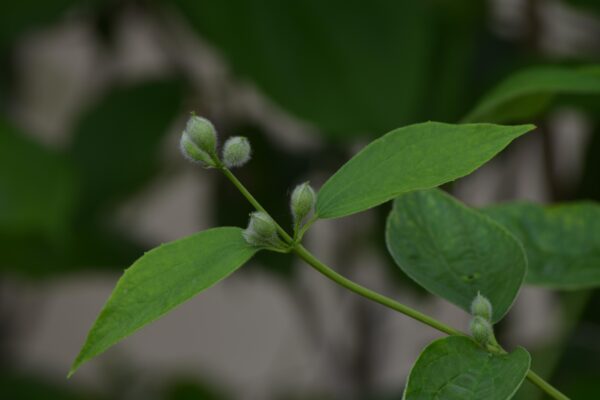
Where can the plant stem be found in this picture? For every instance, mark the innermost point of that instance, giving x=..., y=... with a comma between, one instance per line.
x=371, y=295
x=240, y=186
x=341, y=280
x=545, y=386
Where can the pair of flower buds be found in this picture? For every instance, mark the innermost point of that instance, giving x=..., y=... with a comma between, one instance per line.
x=199, y=144
x=262, y=230
x=481, y=324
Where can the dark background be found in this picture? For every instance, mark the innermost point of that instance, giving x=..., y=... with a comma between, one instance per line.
x=93, y=97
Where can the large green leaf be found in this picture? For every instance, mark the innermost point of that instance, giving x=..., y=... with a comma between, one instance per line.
x=345, y=67
x=162, y=279
x=455, y=252
x=37, y=186
x=455, y=368
x=562, y=242
x=414, y=157
x=527, y=92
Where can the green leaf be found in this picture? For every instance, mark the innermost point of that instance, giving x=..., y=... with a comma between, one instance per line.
x=455, y=368
x=562, y=241
x=454, y=251
x=162, y=279
x=414, y=157
x=527, y=92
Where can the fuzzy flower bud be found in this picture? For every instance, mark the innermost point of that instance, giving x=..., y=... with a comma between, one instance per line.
x=481, y=330
x=236, y=151
x=193, y=153
x=261, y=231
x=302, y=201
x=202, y=133
x=481, y=307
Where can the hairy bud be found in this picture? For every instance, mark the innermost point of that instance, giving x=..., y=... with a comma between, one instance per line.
x=261, y=231
x=481, y=307
x=236, y=151
x=302, y=201
x=193, y=152
x=202, y=133
x=481, y=330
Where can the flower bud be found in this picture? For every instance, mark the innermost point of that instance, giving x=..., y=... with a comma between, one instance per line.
x=193, y=153
x=202, y=133
x=481, y=307
x=236, y=151
x=302, y=201
x=261, y=230
x=481, y=330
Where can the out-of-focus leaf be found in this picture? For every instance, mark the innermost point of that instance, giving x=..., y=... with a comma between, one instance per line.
x=26, y=387
x=17, y=17
x=161, y=280
x=191, y=389
x=527, y=92
x=455, y=252
x=414, y=157
x=117, y=141
x=562, y=242
x=345, y=67
x=37, y=186
x=455, y=368
x=591, y=5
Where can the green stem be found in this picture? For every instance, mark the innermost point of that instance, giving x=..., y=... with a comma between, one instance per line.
x=545, y=386
x=341, y=280
x=371, y=295
x=240, y=186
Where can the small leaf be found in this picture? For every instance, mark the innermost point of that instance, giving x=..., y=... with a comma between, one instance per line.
x=162, y=279
x=414, y=157
x=455, y=368
x=528, y=92
x=455, y=252
x=562, y=242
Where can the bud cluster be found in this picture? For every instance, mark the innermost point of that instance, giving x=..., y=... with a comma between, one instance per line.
x=199, y=144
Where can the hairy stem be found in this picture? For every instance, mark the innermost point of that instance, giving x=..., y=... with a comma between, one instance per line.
x=371, y=295
x=341, y=280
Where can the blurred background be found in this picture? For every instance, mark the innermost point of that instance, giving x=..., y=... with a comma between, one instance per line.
x=93, y=98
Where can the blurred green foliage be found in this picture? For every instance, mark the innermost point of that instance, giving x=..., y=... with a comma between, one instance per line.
x=348, y=68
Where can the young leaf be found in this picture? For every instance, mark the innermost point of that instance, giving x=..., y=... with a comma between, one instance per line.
x=562, y=242
x=414, y=157
x=162, y=279
x=529, y=91
x=456, y=368
x=455, y=252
